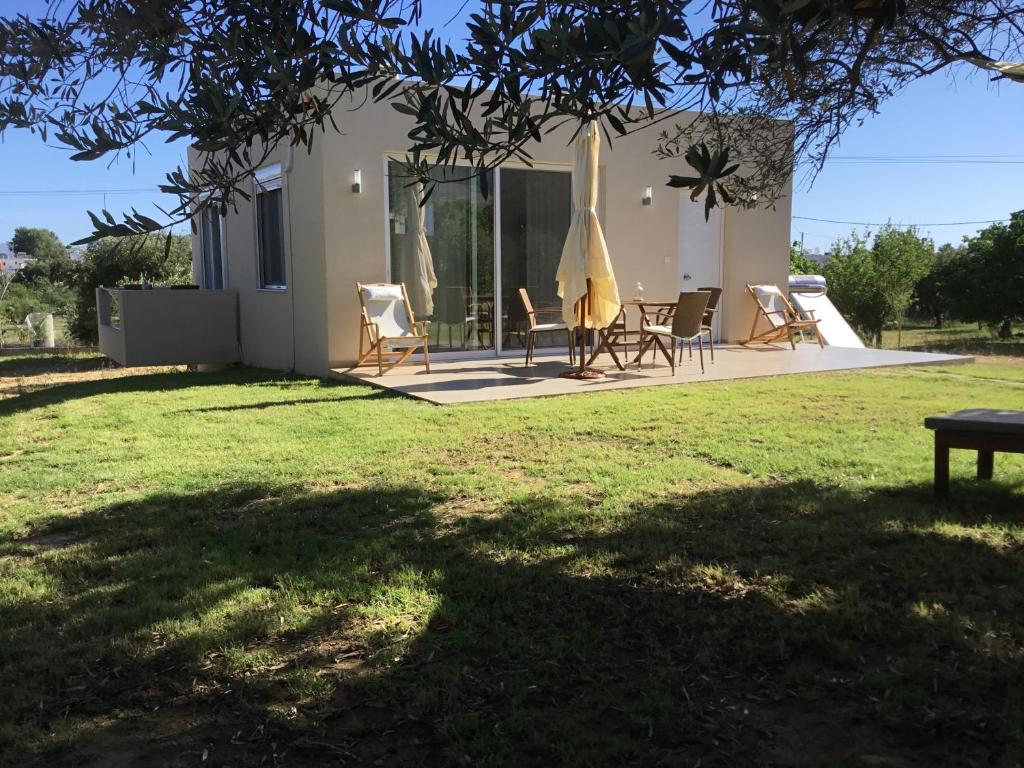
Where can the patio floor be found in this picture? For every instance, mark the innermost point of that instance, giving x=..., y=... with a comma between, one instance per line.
x=506, y=378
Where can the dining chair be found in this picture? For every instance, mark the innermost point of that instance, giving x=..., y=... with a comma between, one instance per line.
x=535, y=327
x=686, y=324
x=708, y=321
x=452, y=309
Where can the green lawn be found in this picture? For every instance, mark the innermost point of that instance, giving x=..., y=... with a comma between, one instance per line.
x=250, y=569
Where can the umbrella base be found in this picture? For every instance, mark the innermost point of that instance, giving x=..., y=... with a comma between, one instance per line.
x=582, y=374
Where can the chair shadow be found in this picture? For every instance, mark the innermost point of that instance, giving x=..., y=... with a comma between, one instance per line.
x=791, y=624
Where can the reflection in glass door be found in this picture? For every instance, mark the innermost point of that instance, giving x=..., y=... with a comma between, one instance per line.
x=444, y=253
x=535, y=210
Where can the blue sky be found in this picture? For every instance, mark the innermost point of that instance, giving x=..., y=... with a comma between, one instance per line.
x=965, y=116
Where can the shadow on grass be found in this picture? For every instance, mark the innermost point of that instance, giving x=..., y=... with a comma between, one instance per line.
x=164, y=382
x=782, y=625
x=41, y=364
x=985, y=346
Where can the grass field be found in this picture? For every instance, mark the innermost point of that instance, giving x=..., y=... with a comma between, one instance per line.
x=954, y=337
x=246, y=568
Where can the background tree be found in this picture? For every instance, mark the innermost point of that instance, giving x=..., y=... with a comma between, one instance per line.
x=900, y=258
x=991, y=285
x=43, y=285
x=239, y=79
x=936, y=294
x=51, y=259
x=873, y=286
x=112, y=262
x=799, y=264
x=850, y=273
x=6, y=280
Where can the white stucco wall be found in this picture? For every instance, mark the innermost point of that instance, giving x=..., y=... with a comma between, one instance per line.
x=337, y=237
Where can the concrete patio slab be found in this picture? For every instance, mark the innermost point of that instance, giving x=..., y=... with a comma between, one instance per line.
x=507, y=378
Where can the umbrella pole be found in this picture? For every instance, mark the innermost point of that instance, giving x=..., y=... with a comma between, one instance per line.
x=581, y=329
x=582, y=307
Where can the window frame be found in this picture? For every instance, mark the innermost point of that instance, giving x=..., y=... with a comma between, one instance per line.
x=269, y=179
x=222, y=238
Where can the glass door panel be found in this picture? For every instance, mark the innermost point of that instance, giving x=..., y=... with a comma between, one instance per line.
x=443, y=251
x=535, y=210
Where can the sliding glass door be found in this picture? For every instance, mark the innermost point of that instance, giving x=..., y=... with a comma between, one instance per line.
x=443, y=250
x=535, y=210
x=446, y=253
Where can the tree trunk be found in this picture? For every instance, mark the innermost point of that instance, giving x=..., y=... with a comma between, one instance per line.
x=1005, y=330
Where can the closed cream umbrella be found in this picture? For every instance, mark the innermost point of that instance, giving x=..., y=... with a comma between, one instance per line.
x=419, y=266
x=586, y=281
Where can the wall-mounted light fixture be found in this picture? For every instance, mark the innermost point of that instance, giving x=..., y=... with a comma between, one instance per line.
x=357, y=181
x=648, y=195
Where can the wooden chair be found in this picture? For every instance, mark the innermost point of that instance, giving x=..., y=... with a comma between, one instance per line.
x=686, y=324
x=386, y=321
x=535, y=327
x=783, y=319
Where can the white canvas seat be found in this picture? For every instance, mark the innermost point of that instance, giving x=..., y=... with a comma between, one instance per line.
x=550, y=327
x=387, y=323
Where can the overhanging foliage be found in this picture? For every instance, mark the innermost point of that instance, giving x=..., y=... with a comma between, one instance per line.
x=239, y=78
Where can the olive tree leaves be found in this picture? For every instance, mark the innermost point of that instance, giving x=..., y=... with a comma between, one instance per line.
x=713, y=168
x=775, y=81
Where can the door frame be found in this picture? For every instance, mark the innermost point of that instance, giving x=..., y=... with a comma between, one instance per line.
x=498, y=350
x=718, y=213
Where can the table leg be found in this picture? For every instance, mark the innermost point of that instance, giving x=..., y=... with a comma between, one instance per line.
x=941, y=465
x=986, y=460
x=606, y=344
x=642, y=349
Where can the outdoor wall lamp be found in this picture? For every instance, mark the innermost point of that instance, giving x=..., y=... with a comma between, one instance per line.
x=357, y=181
x=648, y=197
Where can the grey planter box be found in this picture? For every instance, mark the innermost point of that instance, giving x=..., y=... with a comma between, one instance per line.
x=165, y=326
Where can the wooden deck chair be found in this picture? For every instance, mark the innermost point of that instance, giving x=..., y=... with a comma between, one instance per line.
x=386, y=321
x=783, y=319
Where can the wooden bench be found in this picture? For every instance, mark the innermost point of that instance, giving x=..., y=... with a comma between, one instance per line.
x=978, y=429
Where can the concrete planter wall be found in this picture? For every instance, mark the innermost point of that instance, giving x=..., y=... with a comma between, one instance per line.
x=164, y=326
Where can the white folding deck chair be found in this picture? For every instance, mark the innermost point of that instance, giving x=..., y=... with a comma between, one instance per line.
x=783, y=320
x=386, y=321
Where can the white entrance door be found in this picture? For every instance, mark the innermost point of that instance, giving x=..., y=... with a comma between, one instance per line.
x=700, y=248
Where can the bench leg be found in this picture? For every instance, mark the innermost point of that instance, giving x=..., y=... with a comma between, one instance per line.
x=941, y=466
x=986, y=460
